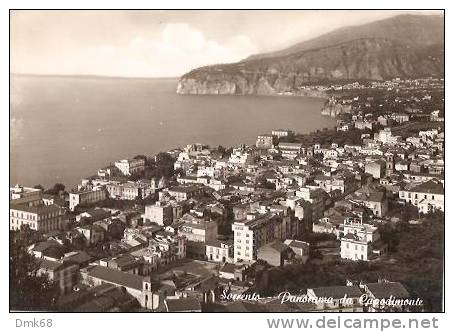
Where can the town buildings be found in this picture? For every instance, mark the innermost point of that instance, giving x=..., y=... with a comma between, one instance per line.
x=227, y=215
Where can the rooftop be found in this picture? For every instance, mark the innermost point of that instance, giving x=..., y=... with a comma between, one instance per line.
x=116, y=277
x=429, y=187
x=382, y=290
x=183, y=304
x=337, y=292
x=40, y=209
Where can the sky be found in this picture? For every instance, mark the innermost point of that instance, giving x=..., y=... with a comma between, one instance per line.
x=157, y=43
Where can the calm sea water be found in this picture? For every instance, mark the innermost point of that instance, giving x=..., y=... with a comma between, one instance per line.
x=63, y=129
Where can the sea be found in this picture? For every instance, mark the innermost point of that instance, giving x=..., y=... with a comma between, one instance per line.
x=63, y=129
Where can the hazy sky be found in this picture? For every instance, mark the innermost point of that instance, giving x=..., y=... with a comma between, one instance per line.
x=160, y=43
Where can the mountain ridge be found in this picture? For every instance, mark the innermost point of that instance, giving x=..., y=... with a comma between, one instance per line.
x=364, y=58
x=369, y=30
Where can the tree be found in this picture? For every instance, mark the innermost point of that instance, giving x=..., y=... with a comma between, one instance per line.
x=162, y=166
x=28, y=289
x=140, y=156
x=147, y=160
x=38, y=186
x=56, y=189
x=221, y=150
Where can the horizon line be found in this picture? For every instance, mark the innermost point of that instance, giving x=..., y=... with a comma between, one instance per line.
x=93, y=76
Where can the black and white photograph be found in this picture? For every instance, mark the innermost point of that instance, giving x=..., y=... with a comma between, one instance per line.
x=227, y=161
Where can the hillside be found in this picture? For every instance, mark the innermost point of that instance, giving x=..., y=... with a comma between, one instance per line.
x=403, y=46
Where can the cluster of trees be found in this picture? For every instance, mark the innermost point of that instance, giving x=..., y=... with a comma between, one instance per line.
x=29, y=290
x=328, y=136
x=415, y=259
x=158, y=166
x=56, y=190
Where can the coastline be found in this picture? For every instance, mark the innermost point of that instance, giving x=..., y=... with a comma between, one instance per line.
x=61, y=174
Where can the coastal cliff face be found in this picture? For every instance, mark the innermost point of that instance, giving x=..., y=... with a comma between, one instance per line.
x=226, y=84
x=377, y=58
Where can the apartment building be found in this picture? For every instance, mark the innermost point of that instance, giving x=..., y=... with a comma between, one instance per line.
x=345, y=183
x=254, y=232
x=128, y=190
x=282, y=133
x=220, y=251
x=199, y=231
x=290, y=150
x=160, y=213
x=315, y=196
x=43, y=218
x=86, y=196
x=130, y=166
x=357, y=240
x=427, y=196
x=18, y=192
x=264, y=141
x=182, y=193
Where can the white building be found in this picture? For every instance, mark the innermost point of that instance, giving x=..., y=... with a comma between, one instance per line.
x=199, y=230
x=357, y=240
x=385, y=136
x=40, y=217
x=130, y=166
x=290, y=150
x=220, y=251
x=19, y=191
x=86, y=196
x=241, y=156
x=160, y=213
x=282, y=133
x=428, y=196
x=254, y=232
